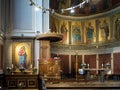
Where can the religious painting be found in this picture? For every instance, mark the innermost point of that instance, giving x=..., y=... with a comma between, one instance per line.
x=103, y=27
x=116, y=26
x=22, y=54
x=53, y=26
x=90, y=31
x=65, y=31
x=76, y=33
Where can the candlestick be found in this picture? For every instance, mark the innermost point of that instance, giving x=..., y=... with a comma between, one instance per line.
x=31, y=66
x=88, y=65
x=12, y=66
x=102, y=65
x=38, y=66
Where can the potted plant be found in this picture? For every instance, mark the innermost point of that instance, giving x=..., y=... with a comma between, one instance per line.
x=21, y=69
x=83, y=65
x=34, y=70
x=8, y=69
x=107, y=65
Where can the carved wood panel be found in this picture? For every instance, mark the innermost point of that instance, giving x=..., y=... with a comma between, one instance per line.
x=104, y=59
x=27, y=81
x=116, y=63
x=64, y=63
x=91, y=60
x=50, y=68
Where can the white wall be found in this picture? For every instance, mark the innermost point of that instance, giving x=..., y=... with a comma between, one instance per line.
x=46, y=16
x=24, y=19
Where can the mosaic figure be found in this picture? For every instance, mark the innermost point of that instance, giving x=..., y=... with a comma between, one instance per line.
x=90, y=32
x=76, y=35
x=117, y=28
x=105, y=27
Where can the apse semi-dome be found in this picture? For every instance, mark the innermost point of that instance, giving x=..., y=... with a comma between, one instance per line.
x=82, y=7
x=85, y=32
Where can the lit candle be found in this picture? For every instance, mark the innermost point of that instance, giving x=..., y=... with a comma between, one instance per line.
x=31, y=65
x=88, y=65
x=12, y=65
x=37, y=66
x=102, y=65
x=37, y=63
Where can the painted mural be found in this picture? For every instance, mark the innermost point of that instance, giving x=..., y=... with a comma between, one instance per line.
x=87, y=30
x=58, y=4
x=116, y=26
x=64, y=30
x=103, y=25
x=90, y=31
x=53, y=25
x=76, y=32
x=94, y=6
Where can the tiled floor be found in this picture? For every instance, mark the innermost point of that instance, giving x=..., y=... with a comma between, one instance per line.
x=89, y=85
x=82, y=89
x=72, y=84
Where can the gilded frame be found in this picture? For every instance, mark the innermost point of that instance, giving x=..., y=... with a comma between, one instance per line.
x=76, y=33
x=89, y=31
x=15, y=53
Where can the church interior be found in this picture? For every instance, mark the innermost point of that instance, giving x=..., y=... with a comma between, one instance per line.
x=59, y=44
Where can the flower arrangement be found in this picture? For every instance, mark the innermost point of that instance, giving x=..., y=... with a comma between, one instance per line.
x=21, y=69
x=107, y=65
x=34, y=70
x=83, y=65
x=8, y=69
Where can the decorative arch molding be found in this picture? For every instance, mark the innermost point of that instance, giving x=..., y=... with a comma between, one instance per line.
x=110, y=16
x=98, y=15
